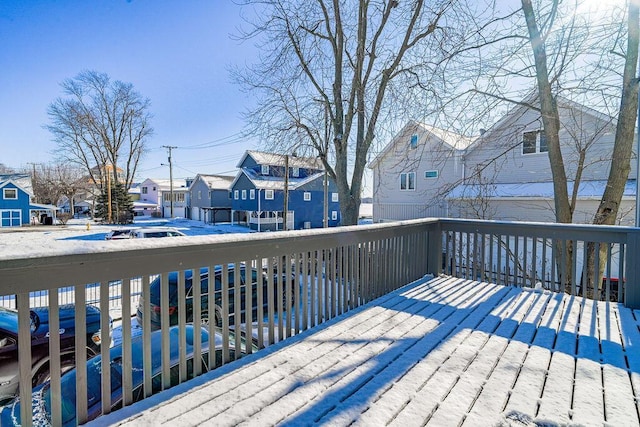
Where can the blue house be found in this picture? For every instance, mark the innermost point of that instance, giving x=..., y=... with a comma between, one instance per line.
x=266, y=180
x=16, y=207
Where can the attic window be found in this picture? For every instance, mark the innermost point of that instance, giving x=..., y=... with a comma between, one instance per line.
x=10, y=194
x=414, y=141
x=534, y=142
x=264, y=169
x=295, y=172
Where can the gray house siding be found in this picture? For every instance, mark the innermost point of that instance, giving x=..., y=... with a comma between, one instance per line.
x=430, y=155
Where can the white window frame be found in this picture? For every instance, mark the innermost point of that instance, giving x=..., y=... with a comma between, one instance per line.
x=244, y=194
x=334, y=215
x=264, y=169
x=306, y=196
x=7, y=196
x=334, y=197
x=408, y=181
x=199, y=194
x=268, y=194
x=295, y=172
x=236, y=194
x=431, y=174
x=541, y=143
x=145, y=190
x=252, y=194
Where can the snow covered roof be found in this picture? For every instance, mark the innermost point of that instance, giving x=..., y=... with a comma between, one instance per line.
x=275, y=159
x=21, y=180
x=218, y=182
x=538, y=190
x=267, y=182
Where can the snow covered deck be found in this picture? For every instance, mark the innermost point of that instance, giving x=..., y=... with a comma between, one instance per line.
x=442, y=352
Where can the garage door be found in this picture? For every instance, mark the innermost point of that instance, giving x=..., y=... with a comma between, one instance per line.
x=10, y=218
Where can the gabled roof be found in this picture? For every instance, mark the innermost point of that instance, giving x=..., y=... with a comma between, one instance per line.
x=275, y=159
x=21, y=180
x=165, y=184
x=451, y=139
x=532, y=99
x=266, y=182
x=216, y=182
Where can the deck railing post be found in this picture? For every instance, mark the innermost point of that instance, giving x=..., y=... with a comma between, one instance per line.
x=631, y=281
x=434, y=249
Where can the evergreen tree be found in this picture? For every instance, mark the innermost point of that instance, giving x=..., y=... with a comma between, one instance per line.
x=121, y=205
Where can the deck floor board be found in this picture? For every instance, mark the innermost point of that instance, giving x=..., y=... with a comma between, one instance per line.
x=441, y=352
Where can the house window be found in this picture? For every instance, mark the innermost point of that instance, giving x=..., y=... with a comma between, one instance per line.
x=334, y=215
x=236, y=194
x=307, y=196
x=264, y=169
x=154, y=188
x=10, y=194
x=408, y=181
x=244, y=194
x=334, y=197
x=199, y=195
x=252, y=194
x=414, y=141
x=145, y=190
x=230, y=195
x=295, y=172
x=268, y=194
x=431, y=174
x=534, y=142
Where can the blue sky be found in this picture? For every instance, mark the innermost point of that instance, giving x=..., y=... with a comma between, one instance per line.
x=176, y=53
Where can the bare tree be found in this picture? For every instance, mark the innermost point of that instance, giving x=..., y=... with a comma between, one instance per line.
x=348, y=68
x=101, y=125
x=53, y=181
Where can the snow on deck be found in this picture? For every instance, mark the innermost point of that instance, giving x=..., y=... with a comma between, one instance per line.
x=442, y=353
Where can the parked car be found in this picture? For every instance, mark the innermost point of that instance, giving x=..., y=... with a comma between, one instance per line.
x=120, y=233
x=213, y=312
x=41, y=396
x=9, y=376
x=144, y=233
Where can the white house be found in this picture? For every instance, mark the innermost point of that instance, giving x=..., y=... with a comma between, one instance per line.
x=414, y=172
x=505, y=174
x=158, y=192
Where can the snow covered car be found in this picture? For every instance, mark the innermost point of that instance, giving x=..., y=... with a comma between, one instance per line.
x=120, y=234
x=41, y=396
x=9, y=375
x=144, y=233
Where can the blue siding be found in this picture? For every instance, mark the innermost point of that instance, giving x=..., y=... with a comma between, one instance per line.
x=21, y=203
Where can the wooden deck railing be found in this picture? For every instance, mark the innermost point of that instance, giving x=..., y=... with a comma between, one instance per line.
x=316, y=275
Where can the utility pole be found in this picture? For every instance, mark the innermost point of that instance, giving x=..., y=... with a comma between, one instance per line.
x=169, y=148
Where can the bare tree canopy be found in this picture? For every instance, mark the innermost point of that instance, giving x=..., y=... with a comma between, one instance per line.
x=101, y=125
x=332, y=75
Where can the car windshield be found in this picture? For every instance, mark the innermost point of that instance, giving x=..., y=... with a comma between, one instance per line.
x=8, y=320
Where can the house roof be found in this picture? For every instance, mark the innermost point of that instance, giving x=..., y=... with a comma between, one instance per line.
x=275, y=159
x=266, y=182
x=454, y=140
x=216, y=182
x=535, y=190
x=165, y=184
x=21, y=180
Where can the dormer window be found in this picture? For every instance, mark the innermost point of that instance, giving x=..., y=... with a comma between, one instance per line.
x=264, y=169
x=295, y=172
x=534, y=142
x=414, y=141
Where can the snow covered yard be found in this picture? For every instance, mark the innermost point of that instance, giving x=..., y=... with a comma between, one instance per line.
x=442, y=352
